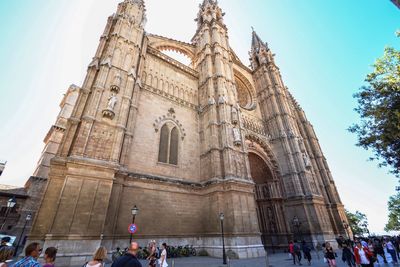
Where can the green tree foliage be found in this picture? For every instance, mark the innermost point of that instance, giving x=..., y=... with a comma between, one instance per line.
x=379, y=109
x=358, y=222
x=394, y=213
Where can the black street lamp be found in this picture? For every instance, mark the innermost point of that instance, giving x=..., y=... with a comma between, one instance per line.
x=27, y=219
x=346, y=228
x=221, y=218
x=134, y=211
x=10, y=204
x=296, y=224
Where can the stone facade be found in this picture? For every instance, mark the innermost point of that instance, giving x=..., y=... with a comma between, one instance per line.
x=183, y=143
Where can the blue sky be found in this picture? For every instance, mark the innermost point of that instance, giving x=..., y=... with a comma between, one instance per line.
x=324, y=49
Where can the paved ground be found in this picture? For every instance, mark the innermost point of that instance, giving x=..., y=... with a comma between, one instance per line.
x=275, y=260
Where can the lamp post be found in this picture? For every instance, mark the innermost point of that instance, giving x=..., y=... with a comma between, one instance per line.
x=296, y=224
x=221, y=218
x=10, y=204
x=346, y=228
x=27, y=219
x=134, y=211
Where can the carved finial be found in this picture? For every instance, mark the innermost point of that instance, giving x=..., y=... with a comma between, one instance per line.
x=252, y=28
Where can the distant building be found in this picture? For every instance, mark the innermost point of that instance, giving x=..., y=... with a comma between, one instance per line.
x=396, y=2
x=27, y=198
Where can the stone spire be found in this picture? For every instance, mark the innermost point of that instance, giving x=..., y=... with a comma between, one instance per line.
x=257, y=44
x=209, y=11
x=260, y=53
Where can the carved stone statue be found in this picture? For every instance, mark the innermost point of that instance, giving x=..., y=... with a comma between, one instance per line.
x=237, y=139
x=307, y=161
x=112, y=101
x=235, y=115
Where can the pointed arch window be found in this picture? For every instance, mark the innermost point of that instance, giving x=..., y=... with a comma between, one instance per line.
x=169, y=141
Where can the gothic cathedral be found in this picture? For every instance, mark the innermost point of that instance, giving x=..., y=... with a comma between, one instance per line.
x=183, y=144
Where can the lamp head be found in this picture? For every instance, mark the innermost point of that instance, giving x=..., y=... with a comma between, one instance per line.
x=11, y=202
x=135, y=210
x=221, y=216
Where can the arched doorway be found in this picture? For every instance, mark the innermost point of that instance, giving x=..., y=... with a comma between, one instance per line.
x=270, y=201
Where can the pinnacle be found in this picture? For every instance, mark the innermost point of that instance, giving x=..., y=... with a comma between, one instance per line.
x=256, y=42
x=139, y=2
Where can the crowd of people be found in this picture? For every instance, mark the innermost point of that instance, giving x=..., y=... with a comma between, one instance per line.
x=125, y=258
x=362, y=252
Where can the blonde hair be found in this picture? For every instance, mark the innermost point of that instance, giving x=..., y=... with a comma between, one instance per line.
x=100, y=254
x=6, y=253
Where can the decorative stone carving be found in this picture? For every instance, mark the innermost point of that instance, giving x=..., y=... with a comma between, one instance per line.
x=211, y=101
x=94, y=63
x=307, y=161
x=108, y=114
x=112, y=101
x=237, y=139
x=115, y=87
x=106, y=61
x=139, y=82
x=160, y=121
x=132, y=72
x=221, y=99
x=235, y=114
x=109, y=111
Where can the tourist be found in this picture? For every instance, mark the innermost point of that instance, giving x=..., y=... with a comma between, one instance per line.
x=391, y=250
x=330, y=255
x=297, y=251
x=347, y=255
x=129, y=258
x=50, y=256
x=152, y=258
x=362, y=255
x=32, y=253
x=306, y=251
x=378, y=250
x=291, y=251
x=99, y=258
x=163, y=258
x=6, y=254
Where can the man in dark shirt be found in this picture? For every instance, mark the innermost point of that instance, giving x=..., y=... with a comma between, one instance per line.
x=129, y=259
